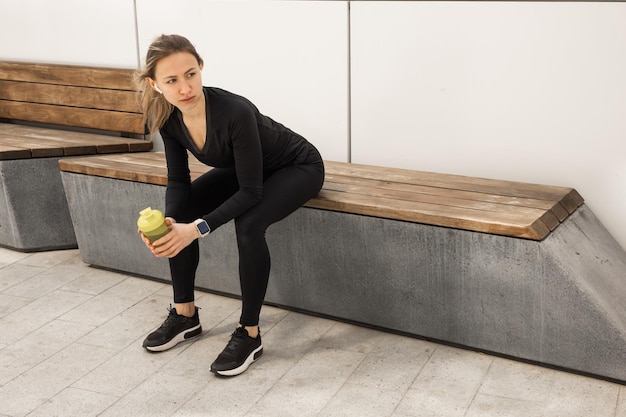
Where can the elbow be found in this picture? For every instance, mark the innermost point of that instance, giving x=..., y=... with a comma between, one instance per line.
x=257, y=195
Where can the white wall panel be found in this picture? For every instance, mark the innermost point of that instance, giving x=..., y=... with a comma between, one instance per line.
x=87, y=32
x=289, y=58
x=527, y=91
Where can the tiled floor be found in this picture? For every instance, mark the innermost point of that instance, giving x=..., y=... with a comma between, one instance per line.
x=70, y=345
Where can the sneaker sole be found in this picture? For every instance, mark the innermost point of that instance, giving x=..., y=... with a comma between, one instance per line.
x=256, y=354
x=181, y=337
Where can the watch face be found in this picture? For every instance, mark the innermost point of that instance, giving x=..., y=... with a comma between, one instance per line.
x=203, y=228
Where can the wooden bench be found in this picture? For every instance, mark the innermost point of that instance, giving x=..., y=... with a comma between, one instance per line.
x=484, y=205
x=52, y=111
x=522, y=270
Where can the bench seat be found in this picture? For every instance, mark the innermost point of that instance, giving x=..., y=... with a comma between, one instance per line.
x=48, y=112
x=521, y=270
x=24, y=142
x=484, y=205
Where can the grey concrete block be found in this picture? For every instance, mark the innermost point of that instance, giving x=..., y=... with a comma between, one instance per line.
x=559, y=301
x=34, y=214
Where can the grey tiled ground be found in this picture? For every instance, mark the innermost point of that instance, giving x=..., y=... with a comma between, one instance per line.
x=70, y=345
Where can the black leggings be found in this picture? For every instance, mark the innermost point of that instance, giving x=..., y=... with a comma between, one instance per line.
x=284, y=191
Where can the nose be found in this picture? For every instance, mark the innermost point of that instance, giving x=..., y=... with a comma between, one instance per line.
x=185, y=88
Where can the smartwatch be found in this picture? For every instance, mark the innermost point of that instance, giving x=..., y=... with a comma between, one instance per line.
x=202, y=227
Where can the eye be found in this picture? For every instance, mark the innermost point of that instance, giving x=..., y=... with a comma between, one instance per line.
x=191, y=74
x=171, y=81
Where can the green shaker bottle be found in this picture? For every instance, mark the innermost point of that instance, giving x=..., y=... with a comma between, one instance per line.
x=152, y=224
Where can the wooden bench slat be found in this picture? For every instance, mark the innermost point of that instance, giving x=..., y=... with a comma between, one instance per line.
x=568, y=197
x=546, y=216
x=118, y=78
x=71, y=116
x=47, y=143
x=23, y=131
x=496, y=223
x=9, y=152
x=155, y=161
x=555, y=207
x=116, y=169
x=84, y=145
x=572, y=200
x=48, y=147
x=61, y=95
x=37, y=148
x=124, y=167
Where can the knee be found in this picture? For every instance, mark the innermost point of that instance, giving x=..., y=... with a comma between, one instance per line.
x=249, y=230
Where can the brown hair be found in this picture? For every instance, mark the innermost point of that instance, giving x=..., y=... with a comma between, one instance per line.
x=155, y=108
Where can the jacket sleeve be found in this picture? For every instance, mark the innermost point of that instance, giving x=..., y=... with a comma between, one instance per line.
x=178, y=189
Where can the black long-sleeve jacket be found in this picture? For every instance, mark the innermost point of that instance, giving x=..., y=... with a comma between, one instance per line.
x=238, y=136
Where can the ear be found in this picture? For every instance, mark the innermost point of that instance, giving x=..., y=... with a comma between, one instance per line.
x=153, y=85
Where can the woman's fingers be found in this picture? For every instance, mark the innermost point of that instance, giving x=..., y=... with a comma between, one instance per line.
x=167, y=246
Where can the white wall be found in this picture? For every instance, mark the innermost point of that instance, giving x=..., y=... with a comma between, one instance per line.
x=289, y=58
x=528, y=91
x=89, y=32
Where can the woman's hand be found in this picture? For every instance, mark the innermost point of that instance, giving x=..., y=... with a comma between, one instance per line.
x=177, y=239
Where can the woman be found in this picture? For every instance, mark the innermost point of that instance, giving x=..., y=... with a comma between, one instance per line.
x=262, y=172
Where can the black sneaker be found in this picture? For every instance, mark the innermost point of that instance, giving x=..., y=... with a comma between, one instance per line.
x=175, y=329
x=238, y=354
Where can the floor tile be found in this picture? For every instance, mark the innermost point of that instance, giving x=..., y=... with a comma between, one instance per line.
x=348, y=337
x=576, y=396
x=226, y=397
x=126, y=370
x=518, y=380
x=8, y=257
x=94, y=281
x=127, y=327
x=37, y=346
x=9, y=304
x=356, y=400
x=49, y=259
x=310, y=384
x=446, y=385
x=295, y=335
x=485, y=405
x=74, y=402
x=394, y=365
x=49, y=378
x=112, y=302
x=14, y=274
x=621, y=403
x=47, y=281
x=32, y=316
x=157, y=396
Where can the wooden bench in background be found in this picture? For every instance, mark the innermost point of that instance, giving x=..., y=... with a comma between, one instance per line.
x=52, y=111
x=522, y=270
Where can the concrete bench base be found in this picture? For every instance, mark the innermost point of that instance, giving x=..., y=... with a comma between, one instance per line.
x=559, y=301
x=33, y=210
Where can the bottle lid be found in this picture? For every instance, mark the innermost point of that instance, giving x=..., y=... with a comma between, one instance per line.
x=146, y=212
x=150, y=219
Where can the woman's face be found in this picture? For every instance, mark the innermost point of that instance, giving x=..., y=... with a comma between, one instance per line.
x=179, y=77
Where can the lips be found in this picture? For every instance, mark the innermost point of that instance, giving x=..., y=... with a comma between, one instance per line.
x=188, y=100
